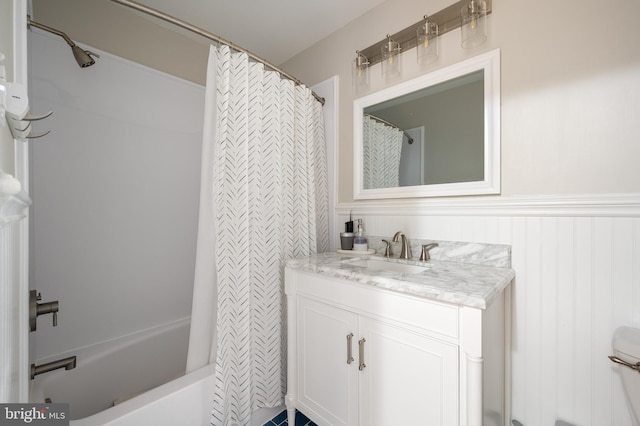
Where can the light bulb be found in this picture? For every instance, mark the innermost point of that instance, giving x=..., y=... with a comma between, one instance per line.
x=473, y=14
x=427, y=42
x=360, y=71
x=473, y=23
x=390, y=63
x=391, y=50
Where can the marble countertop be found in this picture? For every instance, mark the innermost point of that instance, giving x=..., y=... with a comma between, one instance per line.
x=464, y=284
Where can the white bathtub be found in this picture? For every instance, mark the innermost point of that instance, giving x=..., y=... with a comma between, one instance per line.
x=143, y=373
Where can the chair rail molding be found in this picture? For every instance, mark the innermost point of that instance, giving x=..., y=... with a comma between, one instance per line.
x=557, y=205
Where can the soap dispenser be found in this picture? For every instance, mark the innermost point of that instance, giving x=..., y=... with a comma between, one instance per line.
x=360, y=240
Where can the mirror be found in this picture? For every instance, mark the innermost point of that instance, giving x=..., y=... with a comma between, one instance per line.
x=435, y=135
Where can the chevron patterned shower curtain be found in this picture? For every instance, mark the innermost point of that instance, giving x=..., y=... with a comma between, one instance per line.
x=263, y=200
x=382, y=146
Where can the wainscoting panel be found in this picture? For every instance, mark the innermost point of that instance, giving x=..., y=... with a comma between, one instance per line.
x=577, y=280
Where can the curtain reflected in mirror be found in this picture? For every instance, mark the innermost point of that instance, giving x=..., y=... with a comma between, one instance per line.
x=382, y=150
x=447, y=123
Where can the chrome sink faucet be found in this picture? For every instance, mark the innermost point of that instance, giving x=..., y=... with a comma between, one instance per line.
x=405, y=252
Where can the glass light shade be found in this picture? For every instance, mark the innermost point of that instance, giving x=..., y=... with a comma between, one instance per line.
x=427, y=42
x=360, y=77
x=391, y=59
x=473, y=20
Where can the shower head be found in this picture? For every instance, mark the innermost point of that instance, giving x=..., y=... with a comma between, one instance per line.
x=83, y=57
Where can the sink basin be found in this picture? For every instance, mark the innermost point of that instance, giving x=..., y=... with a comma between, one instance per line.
x=385, y=265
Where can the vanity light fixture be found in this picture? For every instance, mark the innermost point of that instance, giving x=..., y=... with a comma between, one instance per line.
x=427, y=42
x=360, y=72
x=473, y=23
x=390, y=52
x=473, y=13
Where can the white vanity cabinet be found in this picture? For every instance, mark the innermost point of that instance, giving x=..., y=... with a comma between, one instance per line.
x=361, y=355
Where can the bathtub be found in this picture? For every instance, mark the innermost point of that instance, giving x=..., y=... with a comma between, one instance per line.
x=134, y=380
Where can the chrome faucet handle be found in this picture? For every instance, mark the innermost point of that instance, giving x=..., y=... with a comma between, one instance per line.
x=387, y=250
x=424, y=256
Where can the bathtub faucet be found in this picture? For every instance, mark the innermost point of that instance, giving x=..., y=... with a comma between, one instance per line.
x=66, y=363
x=36, y=309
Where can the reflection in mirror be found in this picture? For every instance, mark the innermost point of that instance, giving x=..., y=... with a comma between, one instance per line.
x=450, y=115
x=431, y=136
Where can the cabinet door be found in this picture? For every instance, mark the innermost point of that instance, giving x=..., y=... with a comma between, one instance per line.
x=327, y=384
x=409, y=378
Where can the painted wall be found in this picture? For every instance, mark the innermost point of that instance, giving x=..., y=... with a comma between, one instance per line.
x=568, y=109
x=115, y=188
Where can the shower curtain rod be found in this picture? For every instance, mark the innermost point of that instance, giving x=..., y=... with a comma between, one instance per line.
x=380, y=120
x=206, y=34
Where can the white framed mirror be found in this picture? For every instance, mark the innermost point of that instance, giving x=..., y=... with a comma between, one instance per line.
x=435, y=135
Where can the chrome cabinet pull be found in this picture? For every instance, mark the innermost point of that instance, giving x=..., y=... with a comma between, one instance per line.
x=349, y=354
x=361, y=354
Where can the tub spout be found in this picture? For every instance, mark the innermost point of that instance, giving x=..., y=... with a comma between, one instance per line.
x=66, y=363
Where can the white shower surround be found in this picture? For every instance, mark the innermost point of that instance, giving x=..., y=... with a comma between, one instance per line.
x=115, y=188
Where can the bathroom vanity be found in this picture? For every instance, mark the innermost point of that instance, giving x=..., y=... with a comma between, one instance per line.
x=378, y=341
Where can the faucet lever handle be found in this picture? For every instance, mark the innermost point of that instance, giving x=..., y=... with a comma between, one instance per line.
x=387, y=250
x=424, y=256
x=55, y=318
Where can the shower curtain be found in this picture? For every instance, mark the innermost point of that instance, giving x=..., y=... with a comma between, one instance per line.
x=263, y=200
x=382, y=146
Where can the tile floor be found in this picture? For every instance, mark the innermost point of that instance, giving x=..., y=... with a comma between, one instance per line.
x=281, y=420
